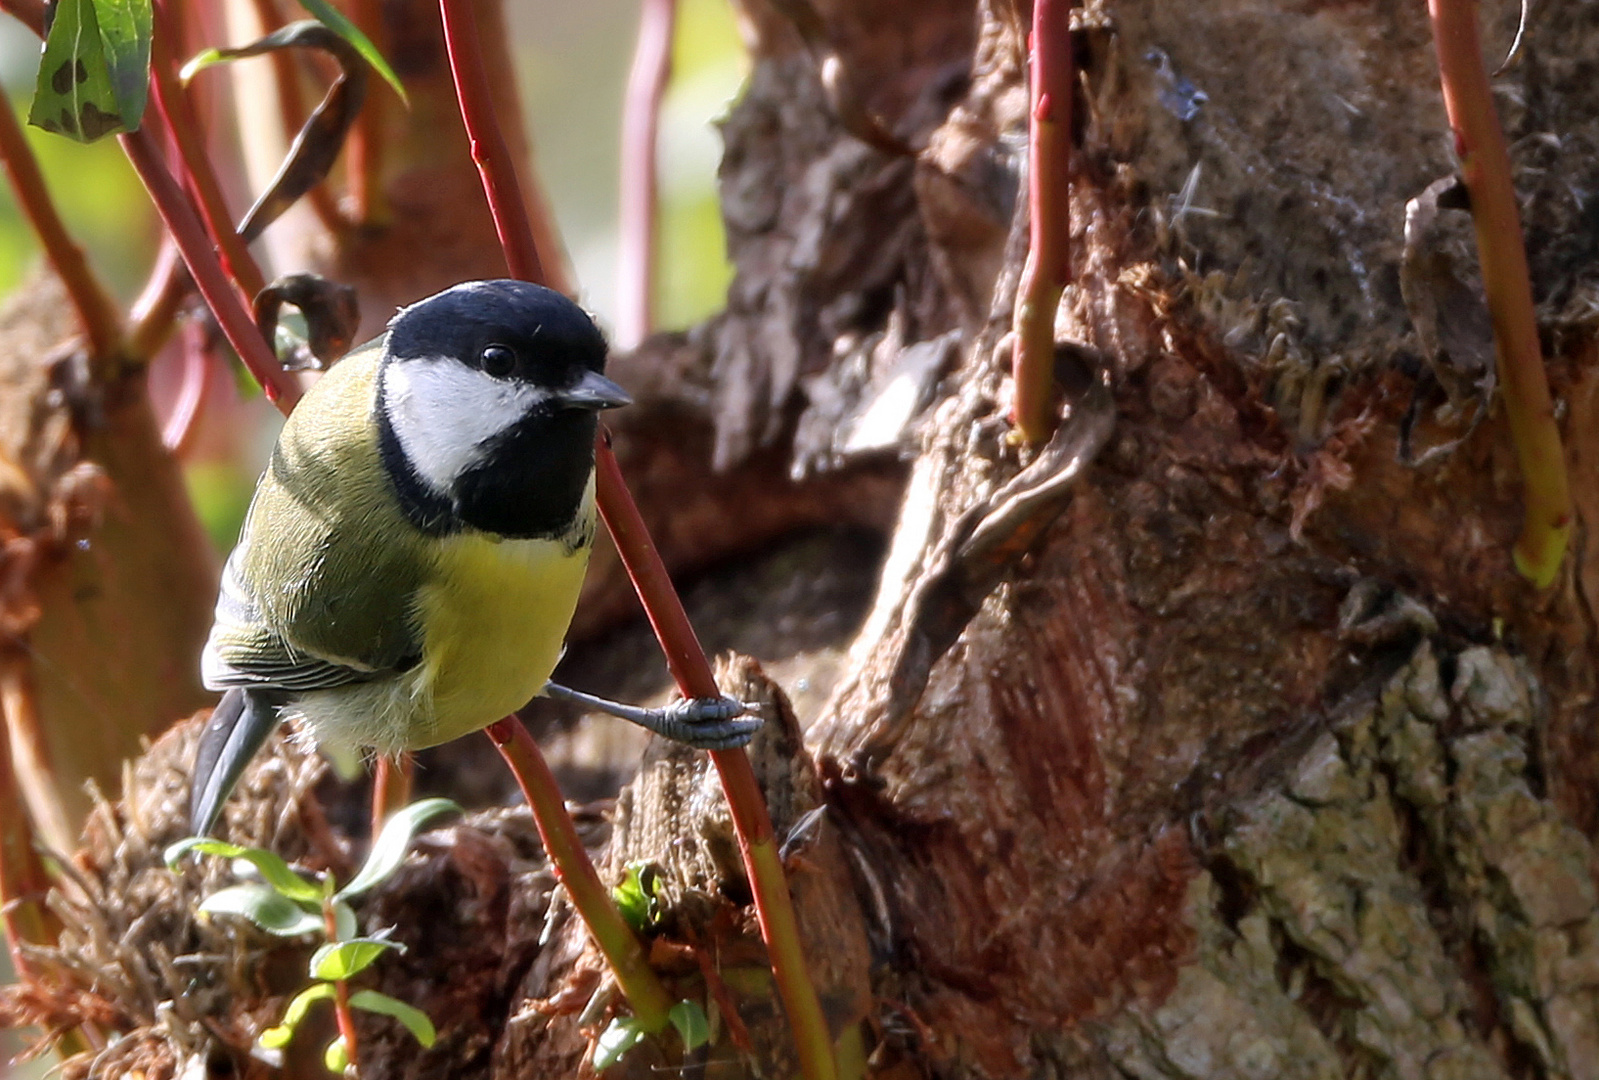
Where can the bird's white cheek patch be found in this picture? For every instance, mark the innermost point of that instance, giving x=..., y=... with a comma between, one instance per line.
x=443, y=412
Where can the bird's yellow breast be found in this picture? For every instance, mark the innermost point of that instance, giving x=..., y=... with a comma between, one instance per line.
x=496, y=613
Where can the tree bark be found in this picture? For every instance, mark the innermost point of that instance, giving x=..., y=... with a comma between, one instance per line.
x=1217, y=739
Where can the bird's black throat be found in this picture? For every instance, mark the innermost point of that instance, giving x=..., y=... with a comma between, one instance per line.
x=528, y=484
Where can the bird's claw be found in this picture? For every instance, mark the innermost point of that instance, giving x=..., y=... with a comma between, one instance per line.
x=709, y=723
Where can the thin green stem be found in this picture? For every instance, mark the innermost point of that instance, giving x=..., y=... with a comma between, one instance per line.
x=1485, y=166
x=616, y=940
x=1048, y=265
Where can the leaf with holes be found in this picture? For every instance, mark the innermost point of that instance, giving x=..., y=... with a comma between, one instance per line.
x=94, y=76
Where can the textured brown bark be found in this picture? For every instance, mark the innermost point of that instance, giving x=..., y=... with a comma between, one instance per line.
x=109, y=579
x=1215, y=741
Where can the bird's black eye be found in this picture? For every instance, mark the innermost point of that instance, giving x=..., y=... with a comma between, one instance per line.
x=497, y=360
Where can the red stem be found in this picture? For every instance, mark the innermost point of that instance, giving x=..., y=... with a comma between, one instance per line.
x=364, y=148
x=1048, y=265
x=1485, y=166
x=183, y=222
x=341, y=990
x=639, y=211
x=774, y=908
x=28, y=12
x=156, y=309
x=686, y=659
x=616, y=940
x=185, y=127
x=178, y=432
x=102, y=323
x=489, y=152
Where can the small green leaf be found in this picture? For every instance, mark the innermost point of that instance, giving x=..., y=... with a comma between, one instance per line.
x=199, y=62
x=689, y=1019
x=636, y=896
x=415, y=1020
x=339, y=23
x=272, y=868
x=337, y=1056
x=388, y=850
x=274, y=1038
x=94, y=77
x=345, y=959
x=618, y=1038
x=264, y=906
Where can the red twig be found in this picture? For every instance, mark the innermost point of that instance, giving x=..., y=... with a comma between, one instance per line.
x=489, y=151
x=183, y=222
x=341, y=990
x=178, y=432
x=639, y=211
x=185, y=127
x=391, y=787
x=616, y=940
x=28, y=12
x=156, y=309
x=364, y=147
x=101, y=321
x=774, y=907
x=1048, y=266
x=1485, y=165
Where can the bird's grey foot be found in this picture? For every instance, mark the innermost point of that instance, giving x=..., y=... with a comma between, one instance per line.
x=719, y=723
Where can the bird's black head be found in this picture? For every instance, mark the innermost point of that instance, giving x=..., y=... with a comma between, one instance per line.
x=486, y=408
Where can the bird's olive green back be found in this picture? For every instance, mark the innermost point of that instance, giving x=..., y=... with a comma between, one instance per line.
x=325, y=531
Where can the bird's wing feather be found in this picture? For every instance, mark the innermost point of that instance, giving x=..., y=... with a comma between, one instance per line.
x=321, y=589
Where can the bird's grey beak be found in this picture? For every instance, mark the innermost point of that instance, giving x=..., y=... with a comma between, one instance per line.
x=593, y=391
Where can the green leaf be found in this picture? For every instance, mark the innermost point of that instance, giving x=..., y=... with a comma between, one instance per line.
x=618, y=1038
x=689, y=1019
x=94, y=77
x=264, y=906
x=339, y=960
x=272, y=868
x=337, y=1056
x=199, y=62
x=274, y=1038
x=388, y=850
x=636, y=896
x=339, y=23
x=415, y=1020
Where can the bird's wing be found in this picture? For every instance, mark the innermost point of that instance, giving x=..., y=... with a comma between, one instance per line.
x=320, y=591
x=245, y=650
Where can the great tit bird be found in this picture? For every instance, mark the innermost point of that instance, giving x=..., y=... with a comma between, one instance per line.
x=413, y=554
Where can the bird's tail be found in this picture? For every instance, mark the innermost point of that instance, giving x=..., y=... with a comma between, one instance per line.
x=238, y=726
